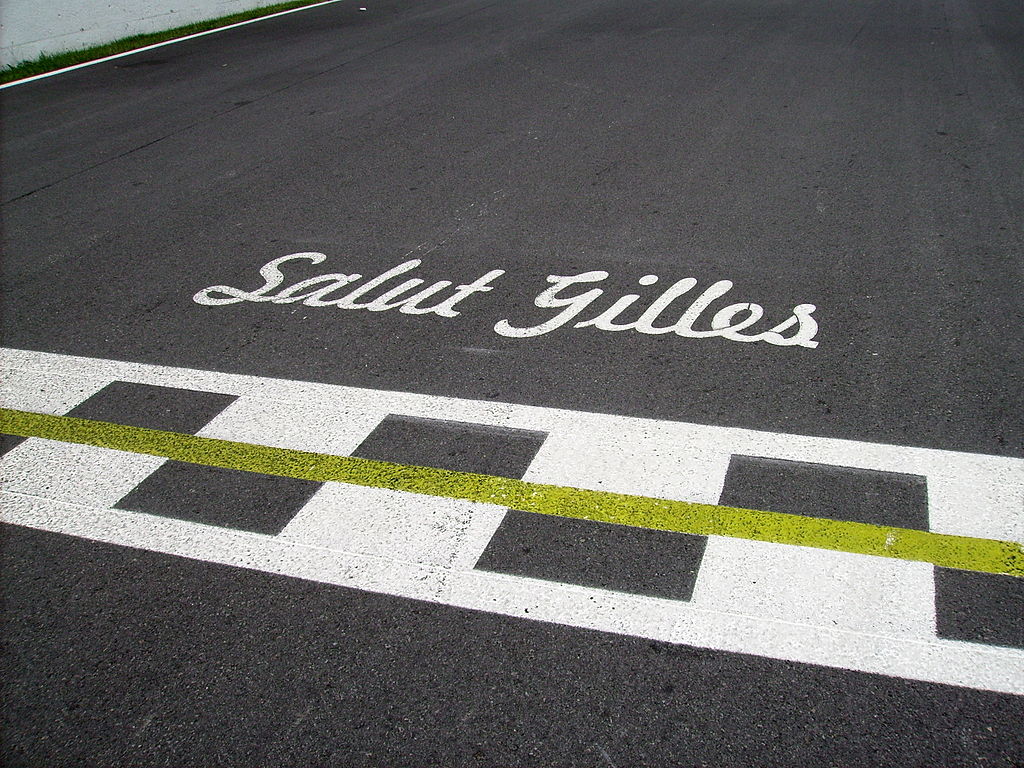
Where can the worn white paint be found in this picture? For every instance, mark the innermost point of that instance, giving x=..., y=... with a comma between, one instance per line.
x=831, y=608
x=29, y=28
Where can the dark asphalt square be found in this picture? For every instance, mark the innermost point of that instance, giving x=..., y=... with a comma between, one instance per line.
x=229, y=498
x=144, y=405
x=452, y=445
x=824, y=490
x=9, y=442
x=979, y=607
x=602, y=555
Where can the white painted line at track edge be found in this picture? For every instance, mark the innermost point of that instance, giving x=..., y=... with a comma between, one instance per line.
x=145, y=48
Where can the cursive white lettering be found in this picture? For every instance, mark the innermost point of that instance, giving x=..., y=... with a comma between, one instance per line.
x=566, y=294
x=272, y=278
x=547, y=300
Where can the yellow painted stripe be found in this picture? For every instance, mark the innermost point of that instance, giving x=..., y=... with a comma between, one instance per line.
x=986, y=555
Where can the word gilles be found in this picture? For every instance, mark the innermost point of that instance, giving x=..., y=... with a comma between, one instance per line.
x=726, y=322
x=409, y=297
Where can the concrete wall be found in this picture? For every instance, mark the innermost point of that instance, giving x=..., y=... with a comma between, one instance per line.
x=31, y=27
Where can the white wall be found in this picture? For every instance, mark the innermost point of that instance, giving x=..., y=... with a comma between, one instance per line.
x=29, y=28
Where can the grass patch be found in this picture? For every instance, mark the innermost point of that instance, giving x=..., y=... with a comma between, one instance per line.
x=53, y=61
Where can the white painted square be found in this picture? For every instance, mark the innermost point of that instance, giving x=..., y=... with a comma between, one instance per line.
x=25, y=390
x=329, y=428
x=988, y=503
x=407, y=527
x=835, y=590
x=77, y=474
x=664, y=461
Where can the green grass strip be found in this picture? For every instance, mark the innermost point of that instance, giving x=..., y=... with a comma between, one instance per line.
x=54, y=61
x=986, y=555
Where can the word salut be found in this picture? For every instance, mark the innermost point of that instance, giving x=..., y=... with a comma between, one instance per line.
x=680, y=309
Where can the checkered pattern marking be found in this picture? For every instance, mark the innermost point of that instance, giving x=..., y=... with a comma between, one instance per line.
x=816, y=606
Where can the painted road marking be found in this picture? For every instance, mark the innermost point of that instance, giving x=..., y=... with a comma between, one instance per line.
x=322, y=291
x=783, y=601
x=975, y=554
x=145, y=48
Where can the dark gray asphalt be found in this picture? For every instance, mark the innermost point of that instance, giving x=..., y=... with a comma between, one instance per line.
x=165, y=661
x=861, y=156
x=864, y=157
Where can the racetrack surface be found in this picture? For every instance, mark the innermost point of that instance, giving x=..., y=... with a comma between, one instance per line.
x=863, y=158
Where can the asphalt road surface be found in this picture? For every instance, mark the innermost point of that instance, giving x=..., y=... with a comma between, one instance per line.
x=852, y=169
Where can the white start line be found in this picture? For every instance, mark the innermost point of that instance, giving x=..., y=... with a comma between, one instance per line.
x=813, y=606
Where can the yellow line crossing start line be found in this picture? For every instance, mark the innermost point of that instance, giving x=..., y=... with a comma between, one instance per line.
x=963, y=552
